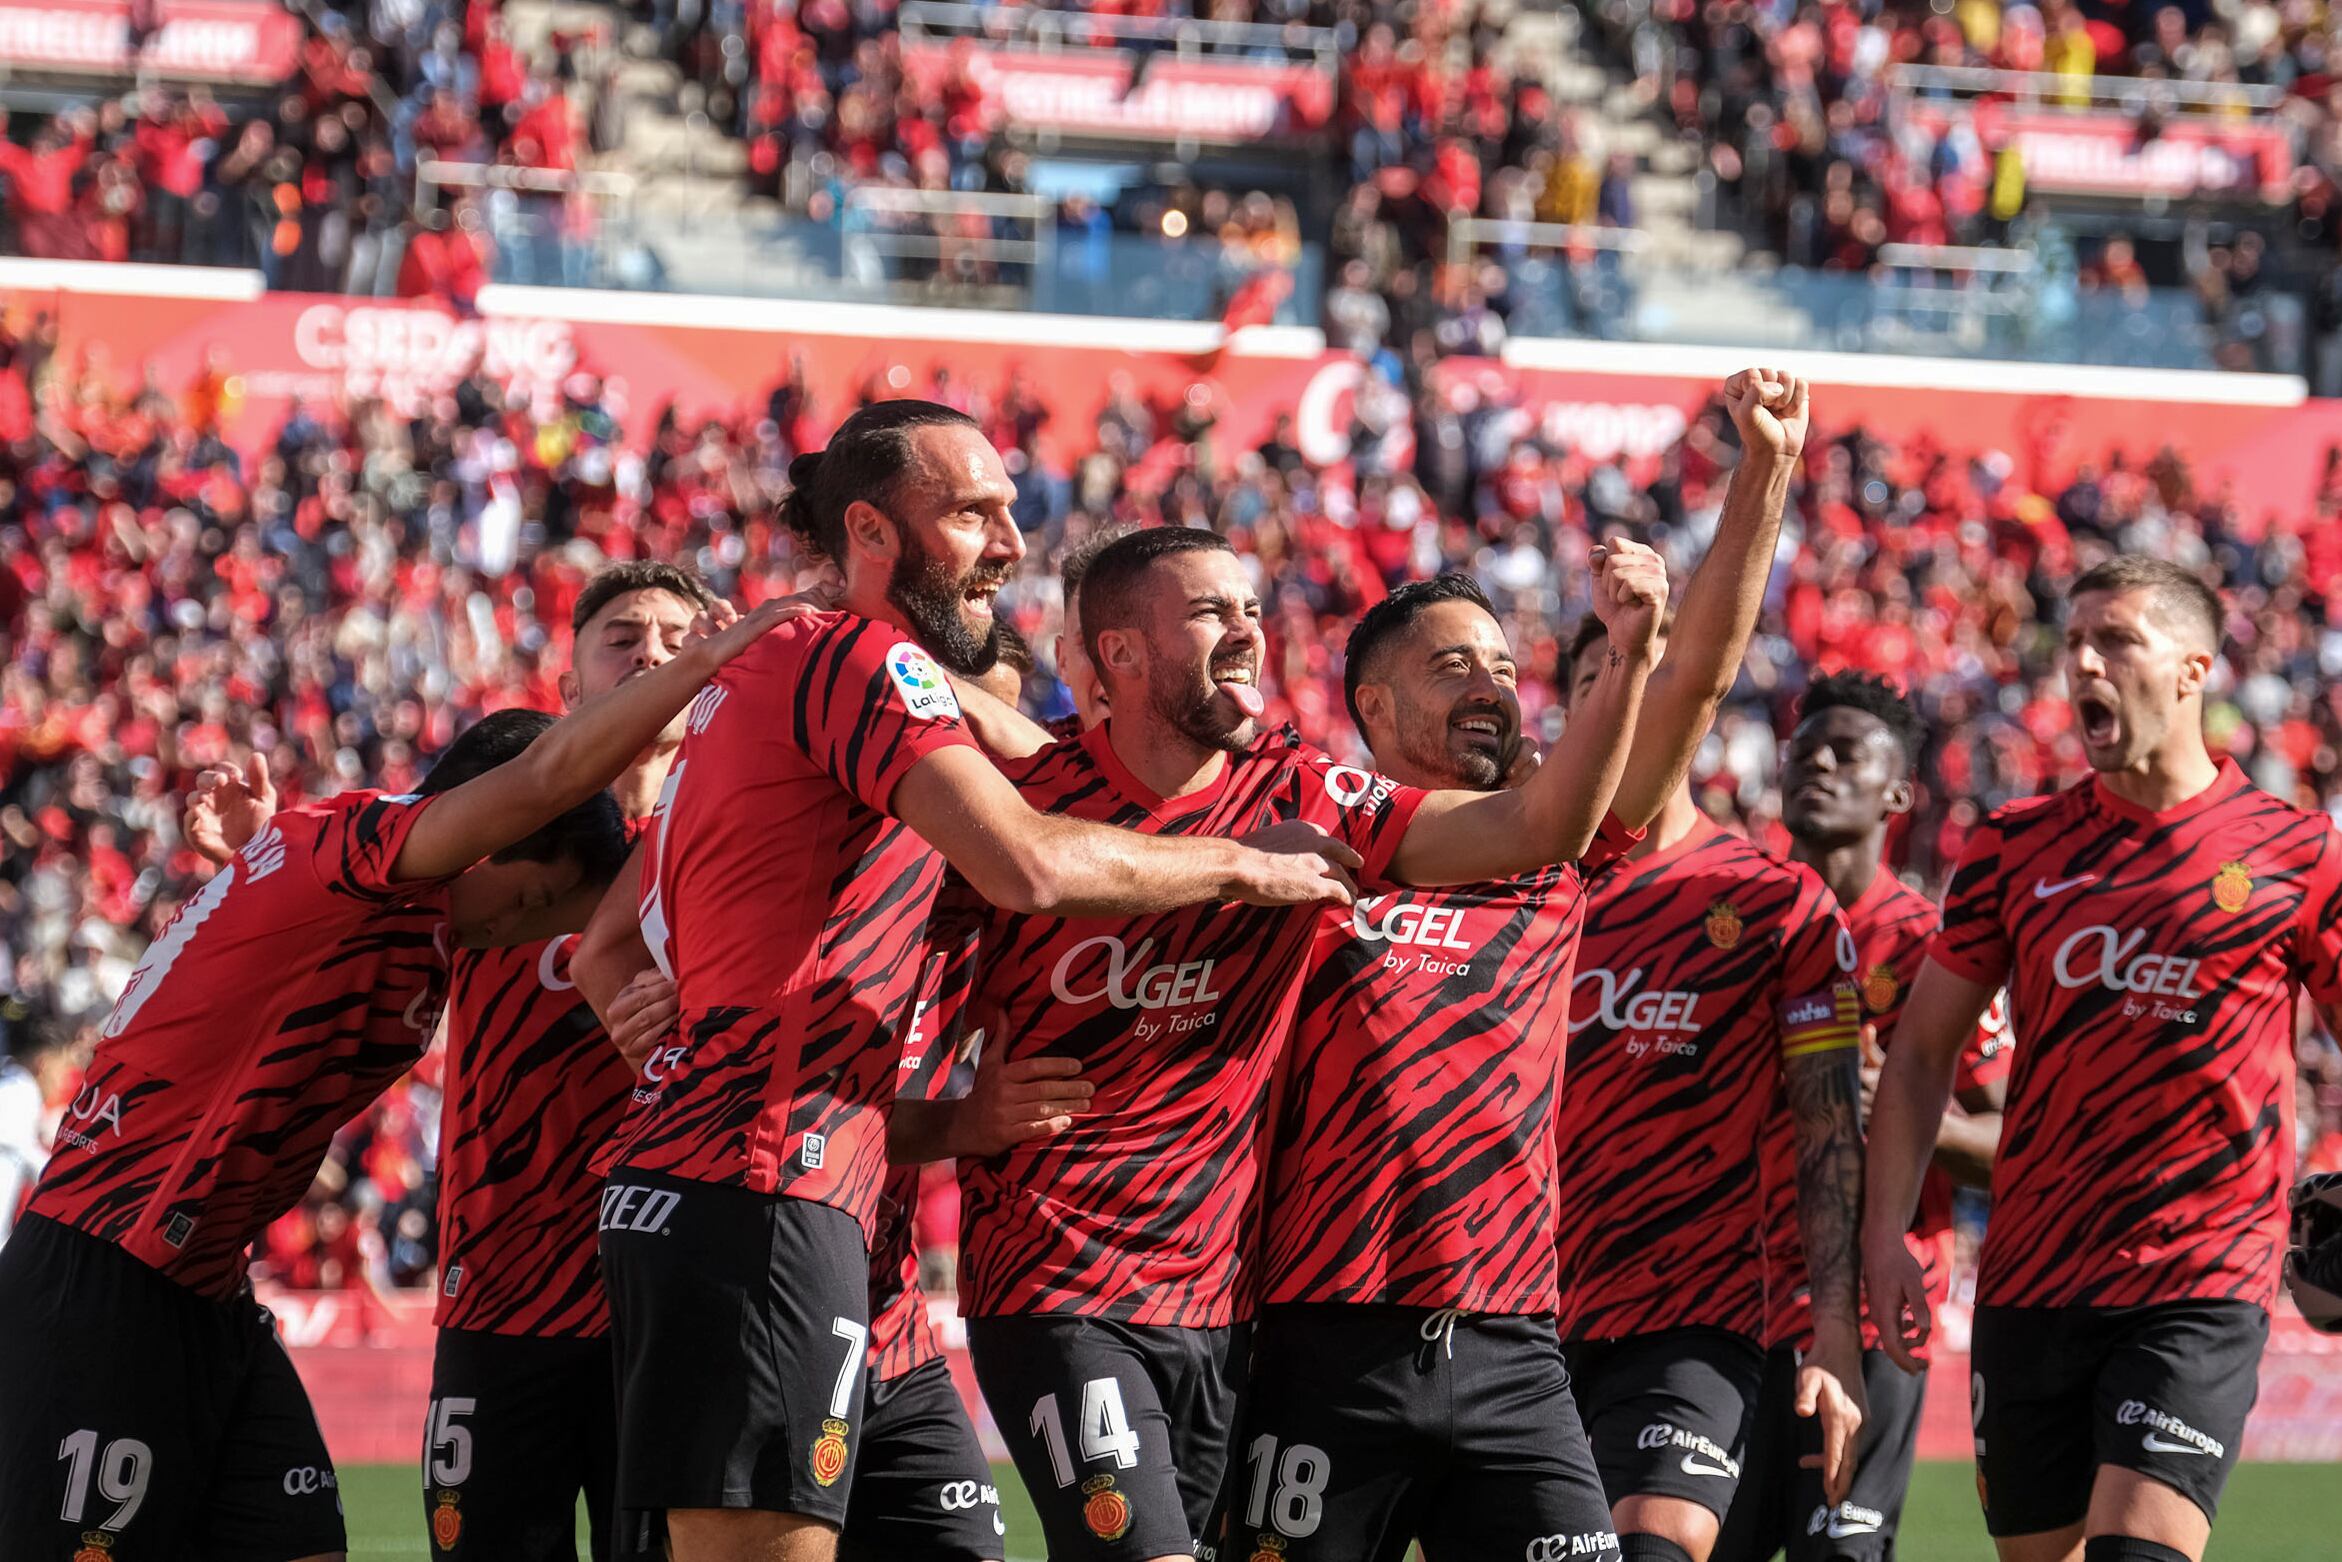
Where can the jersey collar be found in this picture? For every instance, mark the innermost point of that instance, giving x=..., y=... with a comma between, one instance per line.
x=1162, y=809
x=2225, y=785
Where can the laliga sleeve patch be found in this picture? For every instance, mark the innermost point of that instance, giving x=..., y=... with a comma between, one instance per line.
x=926, y=692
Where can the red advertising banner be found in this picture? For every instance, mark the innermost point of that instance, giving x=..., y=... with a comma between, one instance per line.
x=252, y=41
x=1089, y=92
x=2105, y=153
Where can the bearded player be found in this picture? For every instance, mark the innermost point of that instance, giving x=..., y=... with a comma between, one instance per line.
x=785, y=888
x=2155, y=924
x=1713, y=981
x=148, y=1401
x=1408, y=1379
x=1104, y=1269
x=1846, y=776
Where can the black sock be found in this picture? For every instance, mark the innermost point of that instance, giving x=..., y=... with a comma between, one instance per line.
x=1658, y=1548
x=2127, y=1548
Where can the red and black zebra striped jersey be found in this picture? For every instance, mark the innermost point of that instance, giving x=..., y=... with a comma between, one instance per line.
x=902, y=1334
x=534, y=1088
x=1892, y=924
x=289, y=992
x=1145, y=1210
x=791, y=910
x=1701, y=967
x=1412, y=1154
x=2153, y=962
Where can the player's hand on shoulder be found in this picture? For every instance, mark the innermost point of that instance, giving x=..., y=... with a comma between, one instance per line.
x=1630, y=594
x=725, y=631
x=1293, y=863
x=227, y=807
x=645, y=1011
x=1771, y=409
x=1024, y=1099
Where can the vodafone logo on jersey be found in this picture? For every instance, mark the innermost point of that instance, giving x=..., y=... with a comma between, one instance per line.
x=1653, y=1022
x=1393, y=921
x=1130, y=981
x=2101, y=956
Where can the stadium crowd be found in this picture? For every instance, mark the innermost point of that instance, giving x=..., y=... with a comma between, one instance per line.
x=1434, y=117
x=348, y=596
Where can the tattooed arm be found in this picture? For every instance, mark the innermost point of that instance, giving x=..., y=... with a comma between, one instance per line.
x=1824, y=1092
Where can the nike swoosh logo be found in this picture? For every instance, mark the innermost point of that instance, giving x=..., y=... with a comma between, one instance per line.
x=2043, y=889
x=1839, y=1530
x=2159, y=1445
x=1690, y=1467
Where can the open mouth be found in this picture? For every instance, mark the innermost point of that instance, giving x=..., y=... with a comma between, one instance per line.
x=978, y=599
x=1236, y=682
x=2101, y=721
x=1482, y=729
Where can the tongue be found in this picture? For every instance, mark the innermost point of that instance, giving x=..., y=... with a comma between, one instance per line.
x=1247, y=697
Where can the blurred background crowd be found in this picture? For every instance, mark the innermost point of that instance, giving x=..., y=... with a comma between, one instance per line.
x=2118, y=178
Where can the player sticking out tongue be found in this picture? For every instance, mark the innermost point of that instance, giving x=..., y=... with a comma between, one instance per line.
x=1236, y=683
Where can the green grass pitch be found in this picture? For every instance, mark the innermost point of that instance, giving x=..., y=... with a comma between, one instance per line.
x=2272, y=1513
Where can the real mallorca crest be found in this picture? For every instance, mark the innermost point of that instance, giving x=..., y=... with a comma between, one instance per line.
x=96, y=1546
x=1269, y=1548
x=926, y=691
x=1724, y=926
x=2232, y=886
x=829, y=1453
x=1880, y=989
x=447, y=1522
x=1105, y=1510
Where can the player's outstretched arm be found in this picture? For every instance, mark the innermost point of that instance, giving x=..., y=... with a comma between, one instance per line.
x=1824, y=1091
x=579, y=755
x=1727, y=590
x=1027, y=861
x=1003, y=730
x=1914, y=1085
x=1461, y=837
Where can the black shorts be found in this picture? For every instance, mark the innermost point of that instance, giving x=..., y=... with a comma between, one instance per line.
x=1121, y=1431
x=923, y=1489
x=1367, y=1428
x=518, y=1429
x=141, y=1419
x=2162, y=1389
x=742, y=1323
x=1668, y=1413
x=1780, y=1507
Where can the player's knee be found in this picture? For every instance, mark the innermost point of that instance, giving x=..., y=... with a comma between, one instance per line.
x=2130, y=1548
x=748, y=1535
x=1651, y=1548
x=1684, y=1525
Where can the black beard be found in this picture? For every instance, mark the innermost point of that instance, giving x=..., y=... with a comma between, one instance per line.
x=1193, y=717
x=929, y=598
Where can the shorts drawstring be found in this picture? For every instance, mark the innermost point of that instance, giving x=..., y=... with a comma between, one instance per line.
x=1439, y=1328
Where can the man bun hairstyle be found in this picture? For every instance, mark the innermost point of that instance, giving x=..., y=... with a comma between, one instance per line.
x=864, y=460
x=1109, y=589
x=1389, y=618
x=1873, y=695
x=592, y=835
x=2181, y=597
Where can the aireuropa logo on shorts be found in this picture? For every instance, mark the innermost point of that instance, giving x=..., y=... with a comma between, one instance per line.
x=1845, y=1521
x=2166, y=1434
x=960, y=1496
x=1700, y=1456
x=1554, y=1548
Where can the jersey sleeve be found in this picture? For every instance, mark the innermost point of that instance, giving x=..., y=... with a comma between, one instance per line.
x=1986, y=1059
x=2317, y=933
x=1821, y=1008
x=357, y=839
x=1366, y=812
x=1973, y=942
x=1612, y=841
x=871, y=706
x=934, y=1050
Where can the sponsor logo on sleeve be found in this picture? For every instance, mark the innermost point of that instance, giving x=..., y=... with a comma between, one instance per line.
x=925, y=690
